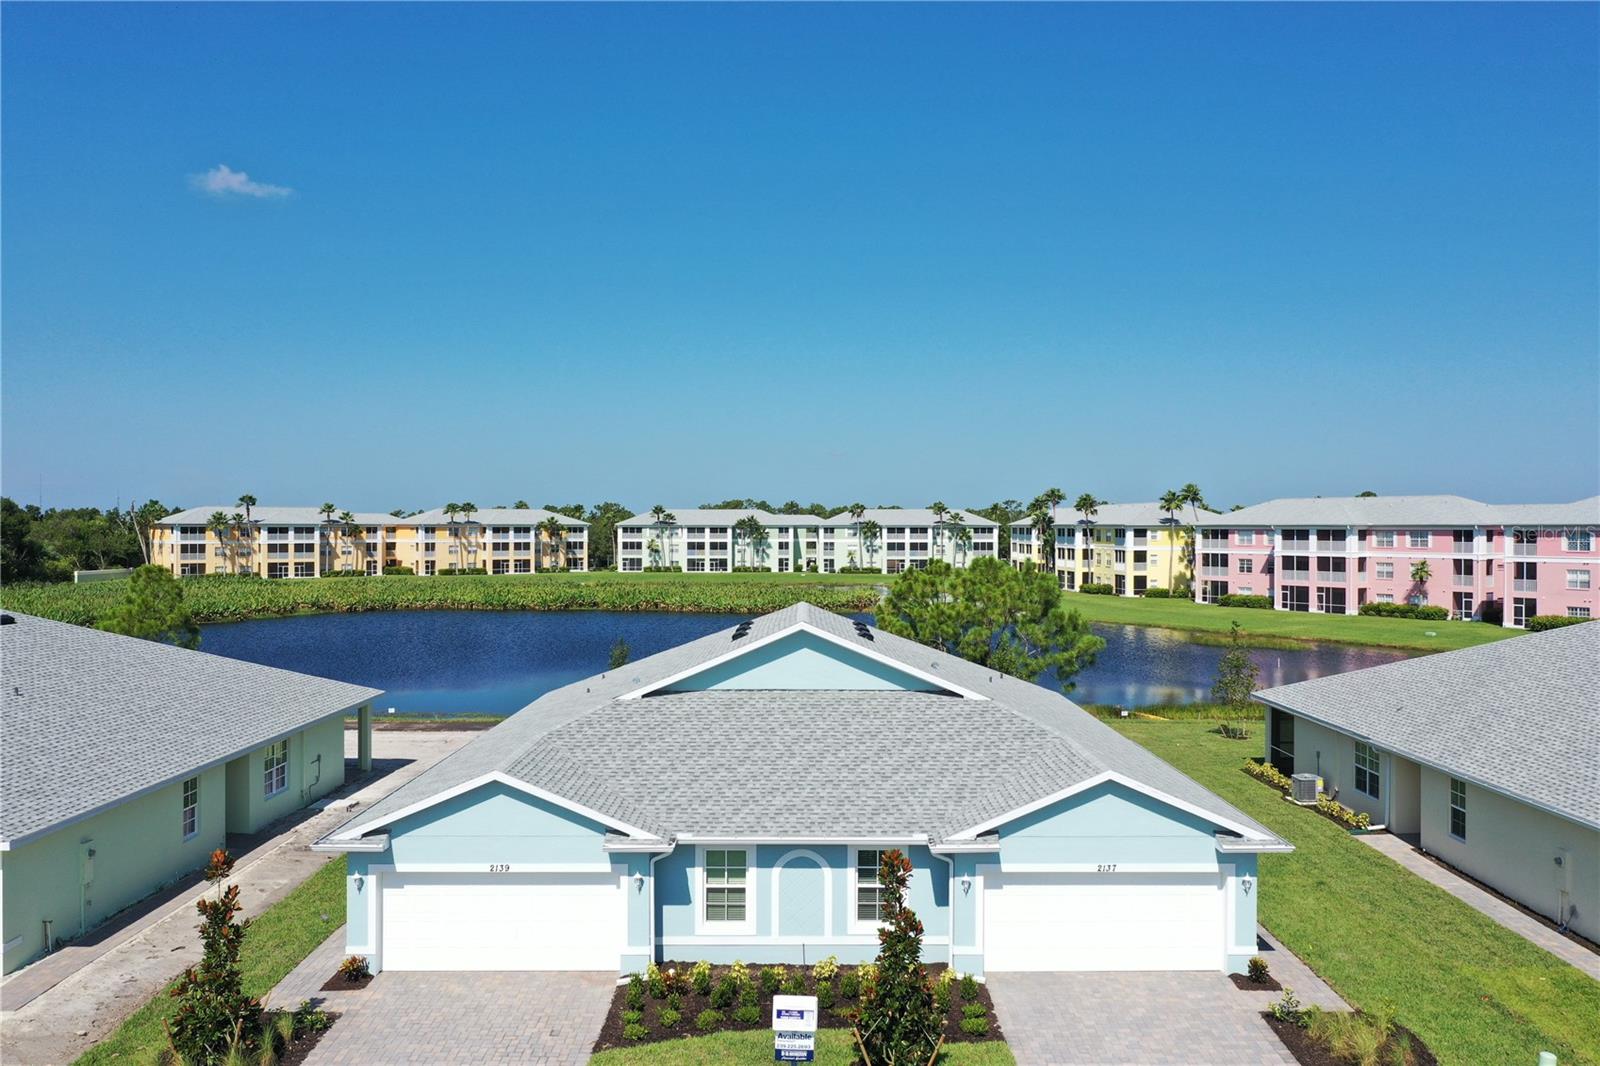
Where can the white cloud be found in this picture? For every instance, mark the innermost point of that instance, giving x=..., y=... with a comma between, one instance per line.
x=222, y=181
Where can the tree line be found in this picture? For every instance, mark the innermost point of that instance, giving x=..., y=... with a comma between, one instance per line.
x=48, y=544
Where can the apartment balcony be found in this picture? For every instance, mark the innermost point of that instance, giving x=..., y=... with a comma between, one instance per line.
x=1214, y=544
x=1525, y=584
x=1296, y=546
x=1333, y=577
x=1459, y=548
x=1213, y=571
x=1294, y=575
x=1463, y=581
x=1331, y=547
x=1523, y=548
x=1140, y=568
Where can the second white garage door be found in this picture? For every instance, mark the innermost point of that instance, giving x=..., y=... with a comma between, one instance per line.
x=1102, y=921
x=501, y=921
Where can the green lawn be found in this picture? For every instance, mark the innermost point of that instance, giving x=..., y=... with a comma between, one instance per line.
x=755, y=1045
x=276, y=942
x=1203, y=618
x=1474, y=991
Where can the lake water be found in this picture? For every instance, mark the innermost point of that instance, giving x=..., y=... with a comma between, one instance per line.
x=496, y=662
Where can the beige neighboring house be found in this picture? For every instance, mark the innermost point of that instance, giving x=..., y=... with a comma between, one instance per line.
x=1487, y=758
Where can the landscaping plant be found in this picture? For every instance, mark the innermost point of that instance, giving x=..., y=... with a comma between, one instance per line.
x=700, y=977
x=899, y=1024
x=213, y=1010
x=1257, y=967
x=354, y=968
x=707, y=1020
x=635, y=992
x=772, y=979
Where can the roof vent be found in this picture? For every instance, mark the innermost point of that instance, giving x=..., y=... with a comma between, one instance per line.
x=863, y=631
x=742, y=630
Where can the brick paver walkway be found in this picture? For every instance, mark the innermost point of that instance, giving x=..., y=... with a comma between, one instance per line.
x=537, y=1019
x=1149, y=1019
x=1485, y=902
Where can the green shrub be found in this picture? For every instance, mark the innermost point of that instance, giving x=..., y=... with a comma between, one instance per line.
x=354, y=968
x=634, y=1032
x=1157, y=594
x=708, y=1020
x=850, y=985
x=974, y=1010
x=398, y=571
x=1541, y=622
x=1092, y=589
x=655, y=981
x=669, y=1018
x=726, y=993
x=1257, y=968
x=631, y=1016
x=700, y=977
x=975, y=1026
x=898, y=1022
x=1405, y=610
x=749, y=994
x=343, y=573
x=795, y=985
x=675, y=1001
x=1288, y=1009
x=1265, y=771
x=826, y=969
x=635, y=995
x=1342, y=814
x=747, y=1014
x=452, y=571
x=740, y=973
x=941, y=996
x=772, y=979
x=969, y=987
x=825, y=995
x=1233, y=599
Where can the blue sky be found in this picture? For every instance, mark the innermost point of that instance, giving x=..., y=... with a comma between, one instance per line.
x=894, y=253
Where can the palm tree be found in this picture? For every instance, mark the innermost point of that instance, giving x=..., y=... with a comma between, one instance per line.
x=870, y=532
x=1087, y=506
x=520, y=505
x=217, y=524
x=553, y=535
x=1172, y=503
x=347, y=532
x=1420, y=573
x=1194, y=498
x=960, y=535
x=247, y=501
x=468, y=509
x=748, y=528
x=939, y=511
x=237, y=527
x=858, y=511
x=1043, y=523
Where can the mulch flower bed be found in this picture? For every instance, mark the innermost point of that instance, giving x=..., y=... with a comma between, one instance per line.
x=340, y=983
x=1268, y=984
x=299, y=1049
x=1308, y=1052
x=841, y=1015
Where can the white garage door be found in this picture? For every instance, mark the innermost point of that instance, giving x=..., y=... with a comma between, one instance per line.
x=501, y=921
x=1102, y=921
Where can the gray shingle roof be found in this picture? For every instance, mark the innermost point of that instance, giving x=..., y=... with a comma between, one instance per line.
x=874, y=762
x=1122, y=514
x=1421, y=511
x=491, y=516
x=701, y=516
x=90, y=719
x=1521, y=716
x=275, y=516
x=910, y=516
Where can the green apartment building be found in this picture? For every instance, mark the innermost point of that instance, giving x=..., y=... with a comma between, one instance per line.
x=126, y=762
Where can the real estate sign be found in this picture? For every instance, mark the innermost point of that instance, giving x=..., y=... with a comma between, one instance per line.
x=794, y=1028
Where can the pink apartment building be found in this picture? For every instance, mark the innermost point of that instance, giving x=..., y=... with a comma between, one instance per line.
x=1332, y=555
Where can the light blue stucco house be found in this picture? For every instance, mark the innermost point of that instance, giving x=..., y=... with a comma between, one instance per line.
x=729, y=798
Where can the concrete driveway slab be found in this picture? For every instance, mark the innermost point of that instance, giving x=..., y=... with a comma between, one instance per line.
x=540, y=1019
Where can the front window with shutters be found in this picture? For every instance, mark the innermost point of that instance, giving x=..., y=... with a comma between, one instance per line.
x=726, y=874
x=275, y=769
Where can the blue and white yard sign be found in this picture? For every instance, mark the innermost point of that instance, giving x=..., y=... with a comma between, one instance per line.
x=794, y=1028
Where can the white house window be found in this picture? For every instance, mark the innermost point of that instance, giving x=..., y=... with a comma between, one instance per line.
x=191, y=808
x=1577, y=579
x=1383, y=538
x=1246, y=536
x=1385, y=597
x=1577, y=612
x=1419, y=538
x=1579, y=542
x=726, y=871
x=1385, y=571
x=1367, y=769
x=1458, y=808
x=1247, y=565
x=275, y=769
x=869, y=893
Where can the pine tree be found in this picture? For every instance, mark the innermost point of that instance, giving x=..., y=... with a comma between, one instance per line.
x=153, y=610
x=899, y=1023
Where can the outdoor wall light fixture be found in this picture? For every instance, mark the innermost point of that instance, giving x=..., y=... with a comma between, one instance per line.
x=638, y=882
x=966, y=883
x=360, y=880
x=1247, y=883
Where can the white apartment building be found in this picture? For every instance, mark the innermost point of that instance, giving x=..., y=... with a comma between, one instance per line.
x=885, y=540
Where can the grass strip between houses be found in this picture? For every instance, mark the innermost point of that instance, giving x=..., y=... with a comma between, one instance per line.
x=1281, y=629
x=1474, y=991
x=278, y=940
x=834, y=1048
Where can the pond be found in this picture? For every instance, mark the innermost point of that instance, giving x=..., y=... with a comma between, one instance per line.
x=496, y=662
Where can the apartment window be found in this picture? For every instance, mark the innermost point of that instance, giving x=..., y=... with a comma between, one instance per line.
x=305, y=570
x=1119, y=556
x=1383, y=538
x=1385, y=597
x=1243, y=590
x=1579, y=542
x=1577, y=579
x=726, y=872
x=191, y=549
x=277, y=569
x=275, y=769
x=1247, y=565
x=1522, y=609
x=633, y=564
x=522, y=566
x=1385, y=571
x=502, y=566
x=1419, y=538
x=869, y=893
x=191, y=808
x=1246, y=536
x=1458, y=808
x=1577, y=612
x=1367, y=774
x=695, y=566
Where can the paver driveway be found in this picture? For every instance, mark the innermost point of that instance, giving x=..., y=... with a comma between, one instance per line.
x=1133, y=1019
x=541, y=1019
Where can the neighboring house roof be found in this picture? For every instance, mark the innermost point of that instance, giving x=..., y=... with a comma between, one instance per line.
x=492, y=516
x=1122, y=514
x=1520, y=716
x=1399, y=511
x=911, y=516
x=92, y=719
x=701, y=516
x=274, y=516
x=802, y=764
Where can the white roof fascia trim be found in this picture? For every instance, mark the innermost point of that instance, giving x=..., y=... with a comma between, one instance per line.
x=1230, y=845
x=1113, y=776
x=734, y=653
x=720, y=838
x=372, y=844
x=492, y=777
x=1379, y=742
x=643, y=846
